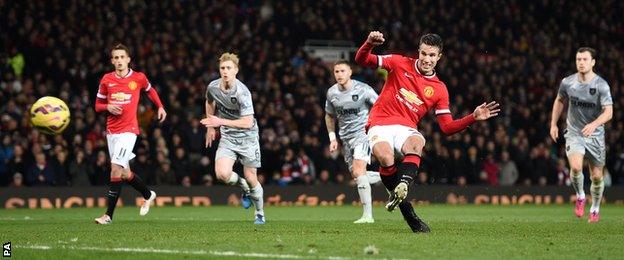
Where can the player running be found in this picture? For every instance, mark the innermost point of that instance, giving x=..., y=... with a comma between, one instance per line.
x=230, y=99
x=119, y=94
x=589, y=107
x=411, y=90
x=349, y=102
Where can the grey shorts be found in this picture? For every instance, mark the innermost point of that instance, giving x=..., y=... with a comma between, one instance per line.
x=356, y=150
x=244, y=150
x=592, y=147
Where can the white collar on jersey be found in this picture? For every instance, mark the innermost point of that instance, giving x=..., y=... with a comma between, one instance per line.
x=417, y=70
x=127, y=75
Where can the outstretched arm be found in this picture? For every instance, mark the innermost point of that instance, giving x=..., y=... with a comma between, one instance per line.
x=482, y=112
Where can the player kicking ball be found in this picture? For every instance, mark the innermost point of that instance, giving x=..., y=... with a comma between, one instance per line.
x=118, y=94
x=589, y=107
x=348, y=102
x=229, y=108
x=411, y=90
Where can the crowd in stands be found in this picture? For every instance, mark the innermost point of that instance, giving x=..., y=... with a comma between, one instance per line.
x=514, y=52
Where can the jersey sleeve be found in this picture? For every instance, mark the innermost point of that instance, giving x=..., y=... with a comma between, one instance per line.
x=145, y=84
x=102, y=90
x=605, y=94
x=563, y=90
x=245, y=103
x=329, y=107
x=209, y=97
x=371, y=96
x=443, y=104
x=388, y=62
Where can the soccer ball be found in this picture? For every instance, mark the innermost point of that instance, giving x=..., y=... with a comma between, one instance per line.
x=50, y=115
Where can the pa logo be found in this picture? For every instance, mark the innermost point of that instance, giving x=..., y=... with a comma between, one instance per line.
x=6, y=249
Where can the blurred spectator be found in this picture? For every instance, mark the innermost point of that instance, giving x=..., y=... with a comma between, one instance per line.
x=563, y=173
x=490, y=171
x=18, y=180
x=508, y=170
x=101, y=173
x=80, y=171
x=41, y=173
x=60, y=167
x=165, y=175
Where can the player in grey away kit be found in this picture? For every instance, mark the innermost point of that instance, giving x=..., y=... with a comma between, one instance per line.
x=230, y=100
x=589, y=107
x=349, y=101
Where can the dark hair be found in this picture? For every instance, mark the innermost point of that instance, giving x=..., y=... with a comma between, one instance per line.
x=120, y=46
x=591, y=51
x=338, y=62
x=432, y=39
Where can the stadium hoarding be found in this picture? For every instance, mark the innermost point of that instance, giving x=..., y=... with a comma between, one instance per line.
x=327, y=195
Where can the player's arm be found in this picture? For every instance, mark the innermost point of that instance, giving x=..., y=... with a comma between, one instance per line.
x=450, y=126
x=557, y=109
x=558, y=106
x=101, y=101
x=211, y=132
x=607, y=110
x=153, y=96
x=246, y=120
x=330, y=123
x=364, y=57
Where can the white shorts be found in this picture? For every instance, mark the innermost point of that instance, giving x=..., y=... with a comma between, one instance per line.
x=395, y=135
x=120, y=148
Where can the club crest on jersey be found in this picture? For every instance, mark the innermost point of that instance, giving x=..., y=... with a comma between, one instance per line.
x=234, y=100
x=355, y=97
x=132, y=85
x=411, y=97
x=428, y=91
x=592, y=91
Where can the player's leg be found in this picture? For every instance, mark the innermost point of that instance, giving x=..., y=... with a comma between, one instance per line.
x=411, y=143
x=251, y=159
x=575, y=150
x=358, y=171
x=256, y=194
x=381, y=139
x=226, y=156
x=121, y=156
x=114, y=189
x=597, y=159
x=409, y=215
x=597, y=190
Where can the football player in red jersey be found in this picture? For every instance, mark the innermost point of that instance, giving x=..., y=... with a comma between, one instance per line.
x=411, y=90
x=118, y=94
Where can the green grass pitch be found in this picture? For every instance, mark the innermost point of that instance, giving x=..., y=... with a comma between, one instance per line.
x=476, y=232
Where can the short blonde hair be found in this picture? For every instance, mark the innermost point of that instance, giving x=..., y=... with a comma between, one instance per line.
x=229, y=57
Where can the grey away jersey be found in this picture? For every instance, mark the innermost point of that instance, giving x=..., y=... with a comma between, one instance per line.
x=232, y=105
x=351, y=108
x=585, y=102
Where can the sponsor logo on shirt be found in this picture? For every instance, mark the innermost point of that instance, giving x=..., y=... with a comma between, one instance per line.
x=410, y=96
x=121, y=98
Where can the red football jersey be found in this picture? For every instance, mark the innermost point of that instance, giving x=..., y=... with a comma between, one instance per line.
x=407, y=95
x=123, y=91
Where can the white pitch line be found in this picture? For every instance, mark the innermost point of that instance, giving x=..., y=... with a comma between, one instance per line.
x=172, y=251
